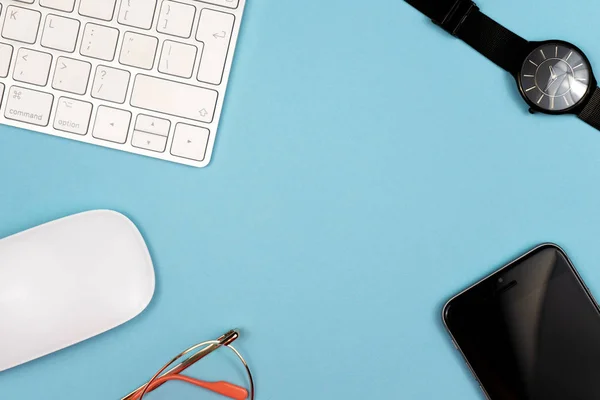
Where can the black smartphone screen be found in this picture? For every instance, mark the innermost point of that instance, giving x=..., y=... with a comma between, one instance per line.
x=531, y=331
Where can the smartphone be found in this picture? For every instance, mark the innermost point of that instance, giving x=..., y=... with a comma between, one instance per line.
x=530, y=331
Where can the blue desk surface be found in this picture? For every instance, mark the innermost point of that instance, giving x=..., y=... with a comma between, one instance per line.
x=368, y=167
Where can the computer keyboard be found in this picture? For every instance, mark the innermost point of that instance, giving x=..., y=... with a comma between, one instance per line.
x=143, y=76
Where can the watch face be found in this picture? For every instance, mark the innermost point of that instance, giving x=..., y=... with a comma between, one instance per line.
x=555, y=77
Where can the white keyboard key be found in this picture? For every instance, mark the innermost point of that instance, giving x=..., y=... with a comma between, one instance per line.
x=138, y=13
x=214, y=30
x=21, y=24
x=62, y=5
x=26, y=1
x=110, y=84
x=99, y=42
x=224, y=3
x=138, y=50
x=100, y=9
x=178, y=59
x=6, y=51
x=28, y=106
x=149, y=141
x=32, y=67
x=60, y=33
x=71, y=75
x=190, y=142
x=72, y=116
x=176, y=19
x=1, y=92
x=112, y=124
x=174, y=98
x=156, y=126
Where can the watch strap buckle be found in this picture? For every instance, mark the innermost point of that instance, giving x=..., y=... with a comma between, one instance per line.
x=456, y=16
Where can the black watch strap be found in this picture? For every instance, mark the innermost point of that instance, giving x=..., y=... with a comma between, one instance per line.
x=463, y=19
x=591, y=111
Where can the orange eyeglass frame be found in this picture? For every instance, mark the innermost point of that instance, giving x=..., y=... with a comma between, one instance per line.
x=202, y=350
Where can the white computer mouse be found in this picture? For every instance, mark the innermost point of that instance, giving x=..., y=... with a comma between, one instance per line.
x=69, y=280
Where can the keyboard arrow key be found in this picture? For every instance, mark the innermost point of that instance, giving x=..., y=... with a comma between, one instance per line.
x=112, y=124
x=149, y=141
x=190, y=142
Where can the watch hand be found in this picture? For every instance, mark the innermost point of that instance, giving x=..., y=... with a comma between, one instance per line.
x=551, y=81
x=552, y=73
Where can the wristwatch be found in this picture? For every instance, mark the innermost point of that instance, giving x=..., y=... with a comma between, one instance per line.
x=553, y=76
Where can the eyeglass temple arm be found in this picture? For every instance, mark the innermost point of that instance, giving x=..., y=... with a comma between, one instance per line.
x=224, y=340
x=226, y=389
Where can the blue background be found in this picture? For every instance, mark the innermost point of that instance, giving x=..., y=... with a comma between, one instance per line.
x=368, y=167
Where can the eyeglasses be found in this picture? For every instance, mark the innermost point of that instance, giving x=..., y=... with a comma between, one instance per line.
x=187, y=359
